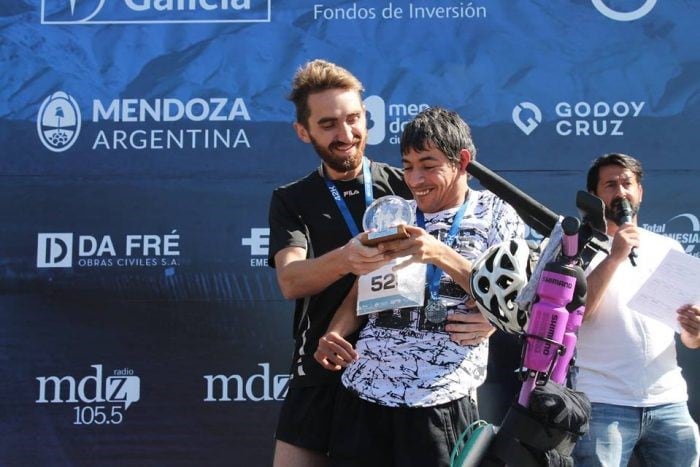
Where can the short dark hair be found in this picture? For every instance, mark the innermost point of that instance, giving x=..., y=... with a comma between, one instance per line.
x=621, y=160
x=317, y=76
x=440, y=128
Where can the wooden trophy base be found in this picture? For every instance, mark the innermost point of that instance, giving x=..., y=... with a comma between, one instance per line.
x=381, y=236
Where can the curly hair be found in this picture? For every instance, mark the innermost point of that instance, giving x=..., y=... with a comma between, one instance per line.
x=316, y=76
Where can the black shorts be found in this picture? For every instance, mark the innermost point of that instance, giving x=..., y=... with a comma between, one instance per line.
x=366, y=434
x=305, y=417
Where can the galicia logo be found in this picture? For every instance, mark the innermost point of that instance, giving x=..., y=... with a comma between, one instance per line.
x=154, y=11
x=640, y=12
x=527, y=126
x=58, y=122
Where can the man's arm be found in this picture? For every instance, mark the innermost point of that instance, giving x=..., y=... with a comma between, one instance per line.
x=424, y=248
x=598, y=280
x=299, y=276
x=334, y=352
x=597, y=284
x=689, y=319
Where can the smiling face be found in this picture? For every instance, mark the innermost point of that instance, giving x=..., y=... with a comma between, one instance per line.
x=337, y=129
x=436, y=183
x=616, y=182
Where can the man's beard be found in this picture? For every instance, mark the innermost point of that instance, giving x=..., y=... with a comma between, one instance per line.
x=340, y=163
x=612, y=211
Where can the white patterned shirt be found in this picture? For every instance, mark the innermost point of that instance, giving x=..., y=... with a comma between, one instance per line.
x=406, y=360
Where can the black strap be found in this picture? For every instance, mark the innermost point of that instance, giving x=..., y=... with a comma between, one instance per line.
x=522, y=426
x=506, y=450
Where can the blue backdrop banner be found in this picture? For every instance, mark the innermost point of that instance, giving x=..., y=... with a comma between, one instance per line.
x=140, y=143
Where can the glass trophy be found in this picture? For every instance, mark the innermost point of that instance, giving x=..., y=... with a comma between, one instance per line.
x=385, y=219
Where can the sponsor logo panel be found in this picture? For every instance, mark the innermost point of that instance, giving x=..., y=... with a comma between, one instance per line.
x=80, y=12
x=97, y=399
x=58, y=122
x=630, y=15
x=172, y=124
x=259, y=243
x=581, y=119
x=66, y=250
x=684, y=228
x=257, y=387
x=386, y=121
x=355, y=11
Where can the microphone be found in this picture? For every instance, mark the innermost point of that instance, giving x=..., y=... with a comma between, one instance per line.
x=626, y=217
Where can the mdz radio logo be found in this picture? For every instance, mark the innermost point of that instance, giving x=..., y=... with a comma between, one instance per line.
x=154, y=11
x=98, y=400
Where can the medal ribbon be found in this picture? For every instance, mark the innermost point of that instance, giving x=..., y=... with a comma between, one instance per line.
x=340, y=202
x=433, y=273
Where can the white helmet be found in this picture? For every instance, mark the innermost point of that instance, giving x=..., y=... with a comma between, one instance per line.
x=497, y=277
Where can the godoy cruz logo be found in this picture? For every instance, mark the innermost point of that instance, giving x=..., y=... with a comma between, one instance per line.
x=58, y=122
x=582, y=118
x=527, y=123
x=154, y=11
x=633, y=15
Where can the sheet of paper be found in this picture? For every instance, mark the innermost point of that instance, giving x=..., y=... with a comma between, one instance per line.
x=673, y=284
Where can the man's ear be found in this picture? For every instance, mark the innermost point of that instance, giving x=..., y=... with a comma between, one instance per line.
x=464, y=159
x=302, y=132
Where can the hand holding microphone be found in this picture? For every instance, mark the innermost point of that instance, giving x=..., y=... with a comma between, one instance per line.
x=625, y=217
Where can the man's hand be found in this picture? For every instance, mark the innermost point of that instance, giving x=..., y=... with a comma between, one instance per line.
x=334, y=352
x=689, y=319
x=469, y=329
x=420, y=246
x=363, y=259
x=626, y=238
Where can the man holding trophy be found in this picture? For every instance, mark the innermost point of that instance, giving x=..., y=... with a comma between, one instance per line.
x=409, y=385
x=314, y=224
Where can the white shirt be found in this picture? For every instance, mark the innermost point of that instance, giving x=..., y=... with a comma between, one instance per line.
x=624, y=357
x=405, y=360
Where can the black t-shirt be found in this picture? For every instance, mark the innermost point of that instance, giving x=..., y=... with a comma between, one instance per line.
x=304, y=214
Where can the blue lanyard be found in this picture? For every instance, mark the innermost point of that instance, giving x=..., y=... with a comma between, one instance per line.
x=340, y=202
x=433, y=273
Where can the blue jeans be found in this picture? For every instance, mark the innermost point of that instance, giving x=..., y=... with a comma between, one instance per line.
x=665, y=435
